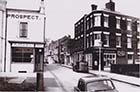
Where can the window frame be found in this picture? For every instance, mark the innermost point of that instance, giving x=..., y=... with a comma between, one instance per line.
x=23, y=29
x=97, y=20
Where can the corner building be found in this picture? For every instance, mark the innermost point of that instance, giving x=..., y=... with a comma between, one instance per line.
x=107, y=35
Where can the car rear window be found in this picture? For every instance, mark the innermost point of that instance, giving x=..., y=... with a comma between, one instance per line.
x=100, y=85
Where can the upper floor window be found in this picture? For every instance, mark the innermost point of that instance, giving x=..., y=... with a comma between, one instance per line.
x=118, y=41
x=138, y=27
x=97, y=39
x=106, y=40
x=91, y=41
x=97, y=20
x=87, y=23
x=91, y=21
x=23, y=29
x=129, y=42
x=106, y=20
x=129, y=24
x=87, y=42
x=138, y=43
x=118, y=21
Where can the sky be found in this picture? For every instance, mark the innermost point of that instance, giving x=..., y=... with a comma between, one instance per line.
x=62, y=14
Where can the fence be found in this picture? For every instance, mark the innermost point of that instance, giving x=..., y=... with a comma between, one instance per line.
x=126, y=69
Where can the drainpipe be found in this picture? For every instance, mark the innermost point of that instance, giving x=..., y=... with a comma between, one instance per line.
x=5, y=50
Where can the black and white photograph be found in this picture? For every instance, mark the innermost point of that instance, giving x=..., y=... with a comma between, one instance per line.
x=70, y=45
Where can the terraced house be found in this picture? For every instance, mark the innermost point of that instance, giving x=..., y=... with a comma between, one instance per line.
x=109, y=36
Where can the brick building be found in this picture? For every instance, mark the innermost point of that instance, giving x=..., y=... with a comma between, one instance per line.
x=115, y=35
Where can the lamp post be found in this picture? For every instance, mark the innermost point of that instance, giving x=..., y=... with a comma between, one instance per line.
x=100, y=47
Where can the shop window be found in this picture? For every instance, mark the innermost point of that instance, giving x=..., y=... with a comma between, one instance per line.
x=22, y=55
x=23, y=29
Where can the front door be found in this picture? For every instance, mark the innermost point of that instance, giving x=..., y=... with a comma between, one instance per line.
x=39, y=59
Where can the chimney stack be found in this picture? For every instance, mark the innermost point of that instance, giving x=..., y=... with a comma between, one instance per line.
x=93, y=7
x=110, y=5
x=42, y=7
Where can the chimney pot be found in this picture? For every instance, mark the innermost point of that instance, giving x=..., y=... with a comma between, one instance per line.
x=93, y=7
x=110, y=5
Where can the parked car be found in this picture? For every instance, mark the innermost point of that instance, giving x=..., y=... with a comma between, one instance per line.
x=95, y=84
x=80, y=66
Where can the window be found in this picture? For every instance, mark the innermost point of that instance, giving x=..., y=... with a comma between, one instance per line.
x=138, y=43
x=105, y=21
x=97, y=39
x=88, y=23
x=81, y=85
x=106, y=40
x=22, y=54
x=129, y=42
x=137, y=61
x=118, y=41
x=97, y=20
x=87, y=42
x=129, y=25
x=138, y=27
x=82, y=27
x=100, y=86
x=118, y=23
x=91, y=22
x=91, y=41
x=130, y=58
x=23, y=29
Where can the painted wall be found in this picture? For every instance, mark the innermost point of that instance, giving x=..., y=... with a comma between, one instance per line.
x=35, y=33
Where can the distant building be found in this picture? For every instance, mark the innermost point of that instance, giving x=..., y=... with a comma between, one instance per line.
x=25, y=37
x=61, y=50
x=116, y=34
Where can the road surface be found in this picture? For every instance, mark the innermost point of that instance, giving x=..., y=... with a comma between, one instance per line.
x=68, y=79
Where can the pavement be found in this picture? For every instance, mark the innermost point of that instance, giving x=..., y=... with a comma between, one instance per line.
x=27, y=82
x=117, y=77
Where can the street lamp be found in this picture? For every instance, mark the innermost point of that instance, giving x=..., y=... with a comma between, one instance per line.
x=100, y=47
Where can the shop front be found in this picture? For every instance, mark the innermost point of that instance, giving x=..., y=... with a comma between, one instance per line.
x=26, y=56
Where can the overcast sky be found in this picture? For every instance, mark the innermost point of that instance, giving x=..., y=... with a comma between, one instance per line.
x=62, y=14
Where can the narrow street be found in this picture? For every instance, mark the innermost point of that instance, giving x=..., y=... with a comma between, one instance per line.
x=68, y=79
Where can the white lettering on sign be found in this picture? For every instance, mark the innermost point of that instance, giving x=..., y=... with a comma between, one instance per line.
x=39, y=45
x=22, y=45
x=21, y=16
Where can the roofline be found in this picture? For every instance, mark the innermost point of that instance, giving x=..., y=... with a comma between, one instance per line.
x=22, y=10
x=81, y=18
x=114, y=12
